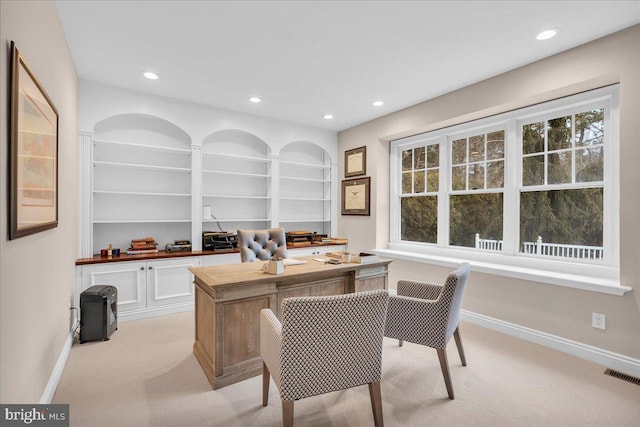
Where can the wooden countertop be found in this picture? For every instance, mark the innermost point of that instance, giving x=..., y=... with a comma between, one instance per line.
x=99, y=259
x=249, y=273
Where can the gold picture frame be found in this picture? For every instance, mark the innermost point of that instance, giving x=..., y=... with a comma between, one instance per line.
x=356, y=195
x=355, y=162
x=33, y=163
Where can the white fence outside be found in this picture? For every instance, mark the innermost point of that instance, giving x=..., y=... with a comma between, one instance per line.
x=550, y=249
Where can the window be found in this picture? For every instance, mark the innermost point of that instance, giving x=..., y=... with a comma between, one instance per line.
x=522, y=187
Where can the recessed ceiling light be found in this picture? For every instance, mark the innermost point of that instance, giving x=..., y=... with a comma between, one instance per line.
x=327, y=117
x=547, y=34
x=151, y=75
x=378, y=103
x=255, y=99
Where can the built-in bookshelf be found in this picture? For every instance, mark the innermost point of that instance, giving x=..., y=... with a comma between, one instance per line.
x=305, y=183
x=141, y=182
x=236, y=182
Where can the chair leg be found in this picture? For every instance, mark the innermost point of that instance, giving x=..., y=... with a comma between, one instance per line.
x=444, y=365
x=456, y=336
x=265, y=384
x=376, y=403
x=287, y=413
x=400, y=343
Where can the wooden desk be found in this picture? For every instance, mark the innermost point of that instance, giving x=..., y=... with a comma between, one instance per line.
x=229, y=299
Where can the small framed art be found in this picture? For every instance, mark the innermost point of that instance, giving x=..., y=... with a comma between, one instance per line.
x=356, y=196
x=33, y=163
x=355, y=162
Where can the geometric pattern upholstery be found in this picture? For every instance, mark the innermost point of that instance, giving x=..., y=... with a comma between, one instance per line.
x=262, y=244
x=429, y=314
x=324, y=343
x=426, y=313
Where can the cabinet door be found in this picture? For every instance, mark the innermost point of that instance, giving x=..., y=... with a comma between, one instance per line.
x=128, y=277
x=170, y=281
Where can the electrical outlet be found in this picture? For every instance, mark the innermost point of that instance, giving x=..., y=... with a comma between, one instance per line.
x=599, y=321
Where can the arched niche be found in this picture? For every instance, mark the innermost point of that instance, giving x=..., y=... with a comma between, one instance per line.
x=305, y=152
x=236, y=142
x=142, y=129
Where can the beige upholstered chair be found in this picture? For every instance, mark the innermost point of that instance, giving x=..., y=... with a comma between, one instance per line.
x=262, y=244
x=324, y=344
x=429, y=314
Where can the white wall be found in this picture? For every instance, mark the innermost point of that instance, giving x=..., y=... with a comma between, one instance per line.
x=555, y=310
x=37, y=271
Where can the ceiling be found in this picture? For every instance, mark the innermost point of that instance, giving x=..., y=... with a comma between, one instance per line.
x=305, y=59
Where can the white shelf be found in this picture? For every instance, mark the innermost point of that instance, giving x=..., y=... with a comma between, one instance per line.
x=141, y=193
x=142, y=167
x=304, y=220
x=238, y=157
x=238, y=220
x=144, y=146
x=138, y=221
x=296, y=178
x=253, y=175
x=305, y=165
x=227, y=196
x=305, y=199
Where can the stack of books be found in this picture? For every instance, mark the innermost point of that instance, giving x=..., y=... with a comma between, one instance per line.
x=178, y=245
x=143, y=246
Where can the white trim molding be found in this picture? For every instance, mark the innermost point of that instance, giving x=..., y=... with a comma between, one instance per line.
x=56, y=374
x=608, y=359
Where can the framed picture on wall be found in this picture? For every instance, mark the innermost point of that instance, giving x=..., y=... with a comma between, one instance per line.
x=356, y=196
x=355, y=162
x=33, y=163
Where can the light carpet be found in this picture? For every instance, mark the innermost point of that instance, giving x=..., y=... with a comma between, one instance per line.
x=147, y=375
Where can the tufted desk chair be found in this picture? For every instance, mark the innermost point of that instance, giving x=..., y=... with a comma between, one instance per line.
x=262, y=244
x=324, y=344
x=429, y=314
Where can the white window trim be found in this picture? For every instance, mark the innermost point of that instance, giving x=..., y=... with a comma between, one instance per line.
x=602, y=276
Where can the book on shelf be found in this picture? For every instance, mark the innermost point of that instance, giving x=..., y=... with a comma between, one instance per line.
x=299, y=243
x=131, y=251
x=339, y=240
x=147, y=246
x=365, y=258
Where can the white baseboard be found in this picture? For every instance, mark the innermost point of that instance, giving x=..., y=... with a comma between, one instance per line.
x=54, y=379
x=144, y=313
x=608, y=359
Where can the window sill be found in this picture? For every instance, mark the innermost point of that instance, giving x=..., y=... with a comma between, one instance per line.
x=576, y=281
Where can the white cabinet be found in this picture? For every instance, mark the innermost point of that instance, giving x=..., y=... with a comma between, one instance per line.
x=314, y=250
x=145, y=288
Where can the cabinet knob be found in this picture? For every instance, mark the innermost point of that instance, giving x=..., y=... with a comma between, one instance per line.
x=142, y=268
x=150, y=268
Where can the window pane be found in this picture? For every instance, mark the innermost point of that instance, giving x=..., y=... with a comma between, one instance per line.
x=590, y=128
x=569, y=223
x=472, y=214
x=419, y=219
x=533, y=138
x=433, y=182
x=533, y=170
x=433, y=156
x=418, y=182
x=459, y=150
x=407, y=160
x=560, y=167
x=589, y=164
x=495, y=174
x=559, y=133
x=476, y=176
x=476, y=148
x=495, y=145
x=418, y=158
x=459, y=178
x=407, y=182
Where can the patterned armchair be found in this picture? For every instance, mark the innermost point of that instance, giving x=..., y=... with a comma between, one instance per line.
x=429, y=314
x=324, y=344
x=262, y=244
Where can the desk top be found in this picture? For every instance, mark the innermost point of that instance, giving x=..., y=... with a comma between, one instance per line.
x=251, y=272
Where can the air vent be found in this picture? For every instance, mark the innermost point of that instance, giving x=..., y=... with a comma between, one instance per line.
x=621, y=376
